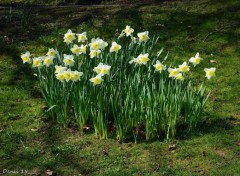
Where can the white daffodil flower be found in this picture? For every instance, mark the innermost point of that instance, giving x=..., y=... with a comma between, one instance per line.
x=94, y=53
x=60, y=76
x=143, y=36
x=67, y=75
x=179, y=76
x=102, y=69
x=173, y=72
x=159, y=66
x=60, y=69
x=82, y=37
x=76, y=50
x=210, y=72
x=102, y=44
x=48, y=60
x=128, y=30
x=98, y=69
x=68, y=60
x=83, y=49
x=184, y=67
x=69, y=37
x=143, y=58
x=51, y=52
x=96, y=80
x=26, y=57
x=37, y=61
x=105, y=70
x=115, y=47
x=195, y=60
x=97, y=44
x=94, y=45
x=76, y=75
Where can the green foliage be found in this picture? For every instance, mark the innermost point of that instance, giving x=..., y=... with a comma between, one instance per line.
x=135, y=96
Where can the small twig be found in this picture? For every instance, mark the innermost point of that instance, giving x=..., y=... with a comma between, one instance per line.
x=216, y=31
x=213, y=32
x=23, y=144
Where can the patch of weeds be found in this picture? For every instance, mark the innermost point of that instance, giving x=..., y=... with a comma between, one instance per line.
x=15, y=16
x=47, y=161
x=30, y=153
x=9, y=142
x=64, y=149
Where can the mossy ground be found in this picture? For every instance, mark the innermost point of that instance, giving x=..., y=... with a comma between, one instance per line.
x=30, y=141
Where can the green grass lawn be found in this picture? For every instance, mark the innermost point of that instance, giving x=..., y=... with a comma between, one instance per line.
x=30, y=141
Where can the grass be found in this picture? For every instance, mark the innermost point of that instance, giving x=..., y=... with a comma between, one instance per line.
x=30, y=141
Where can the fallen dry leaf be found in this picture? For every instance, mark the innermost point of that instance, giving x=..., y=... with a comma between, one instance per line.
x=202, y=172
x=49, y=172
x=221, y=153
x=34, y=129
x=86, y=128
x=19, y=100
x=213, y=61
x=105, y=152
x=45, y=108
x=235, y=116
x=172, y=147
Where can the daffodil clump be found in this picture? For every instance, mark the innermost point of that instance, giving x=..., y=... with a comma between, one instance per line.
x=122, y=86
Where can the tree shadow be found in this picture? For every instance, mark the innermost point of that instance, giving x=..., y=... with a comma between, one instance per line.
x=23, y=74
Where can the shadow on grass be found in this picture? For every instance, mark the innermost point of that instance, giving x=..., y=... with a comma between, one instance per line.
x=23, y=74
x=209, y=125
